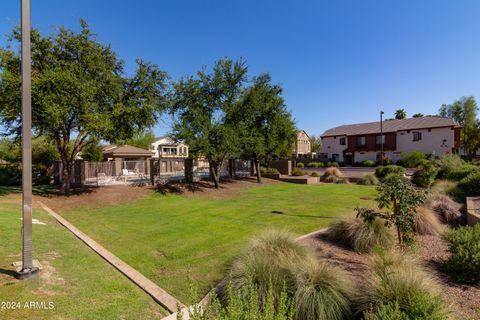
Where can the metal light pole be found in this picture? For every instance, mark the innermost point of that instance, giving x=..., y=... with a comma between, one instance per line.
x=381, y=134
x=28, y=268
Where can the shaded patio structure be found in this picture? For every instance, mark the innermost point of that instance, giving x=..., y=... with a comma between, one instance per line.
x=128, y=159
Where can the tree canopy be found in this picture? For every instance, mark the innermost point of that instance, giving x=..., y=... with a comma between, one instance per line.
x=465, y=112
x=263, y=125
x=200, y=105
x=400, y=114
x=79, y=91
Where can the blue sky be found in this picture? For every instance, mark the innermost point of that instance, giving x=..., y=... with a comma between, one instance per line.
x=338, y=61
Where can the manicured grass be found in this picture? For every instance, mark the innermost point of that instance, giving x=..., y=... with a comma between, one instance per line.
x=170, y=238
x=79, y=283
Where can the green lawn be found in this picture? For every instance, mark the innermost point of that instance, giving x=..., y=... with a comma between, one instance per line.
x=170, y=237
x=79, y=283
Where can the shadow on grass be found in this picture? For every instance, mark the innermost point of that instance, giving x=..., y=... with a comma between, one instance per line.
x=8, y=272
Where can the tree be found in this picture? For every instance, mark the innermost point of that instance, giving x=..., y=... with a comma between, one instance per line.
x=79, y=92
x=263, y=124
x=141, y=139
x=199, y=106
x=400, y=114
x=398, y=194
x=418, y=115
x=315, y=143
x=92, y=151
x=465, y=112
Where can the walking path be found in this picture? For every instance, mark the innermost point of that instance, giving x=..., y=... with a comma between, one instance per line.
x=158, y=294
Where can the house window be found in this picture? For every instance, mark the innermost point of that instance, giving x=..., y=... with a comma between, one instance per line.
x=360, y=141
x=342, y=141
x=380, y=139
x=417, y=136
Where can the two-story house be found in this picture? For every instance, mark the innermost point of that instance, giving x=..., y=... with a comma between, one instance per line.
x=166, y=147
x=352, y=143
x=302, y=148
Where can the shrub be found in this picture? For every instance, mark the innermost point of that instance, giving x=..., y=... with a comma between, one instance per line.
x=360, y=236
x=425, y=175
x=322, y=292
x=447, y=164
x=315, y=174
x=396, y=278
x=368, y=179
x=413, y=159
x=263, y=170
x=389, y=311
x=462, y=172
x=342, y=181
x=382, y=172
x=470, y=185
x=332, y=171
x=464, y=246
x=10, y=175
x=272, y=171
x=426, y=222
x=312, y=165
x=329, y=179
x=297, y=172
x=445, y=207
x=268, y=261
x=333, y=164
x=320, y=164
x=300, y=165
x=369, y=163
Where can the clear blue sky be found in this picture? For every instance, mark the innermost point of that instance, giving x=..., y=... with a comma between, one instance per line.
x=338, y=61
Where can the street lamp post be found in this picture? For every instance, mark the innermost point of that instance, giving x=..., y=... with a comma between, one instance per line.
x=381, y=134
x=28, y=269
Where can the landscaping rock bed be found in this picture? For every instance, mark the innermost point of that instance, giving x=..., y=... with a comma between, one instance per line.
x=464, y=299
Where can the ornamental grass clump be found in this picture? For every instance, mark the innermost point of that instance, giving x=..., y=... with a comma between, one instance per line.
x=297, y=172
x=268, y=260
x=359, y=235
x=331, y=174
x=396, y=278
x=427, y=222
x=368, y=179
x=322, y=292
x=463, y=265
x=445, y=207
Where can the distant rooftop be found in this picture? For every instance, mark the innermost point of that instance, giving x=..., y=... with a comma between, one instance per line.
x=391, y=126
x=125, y=150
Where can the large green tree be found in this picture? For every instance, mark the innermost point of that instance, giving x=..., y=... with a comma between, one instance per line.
x=79, y=91
x=264, y=126
x=141, y=139
x=465, y=112
x=199, y=106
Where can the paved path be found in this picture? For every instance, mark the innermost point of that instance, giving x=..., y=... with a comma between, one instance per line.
x=157, y=293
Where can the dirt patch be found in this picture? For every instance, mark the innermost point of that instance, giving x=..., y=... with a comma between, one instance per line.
x=206, y=189
x=93, y=198
x=464, y=299
x=49, y=276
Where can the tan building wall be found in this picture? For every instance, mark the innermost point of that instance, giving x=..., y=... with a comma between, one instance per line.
x=302, y=145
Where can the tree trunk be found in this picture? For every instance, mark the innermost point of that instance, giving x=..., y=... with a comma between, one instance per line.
x=257, y=168
x=214, y=174
x=66, y=174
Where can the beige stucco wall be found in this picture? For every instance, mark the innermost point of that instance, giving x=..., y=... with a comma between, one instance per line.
x=331, y=145
x=431, y=143
x=302, y=145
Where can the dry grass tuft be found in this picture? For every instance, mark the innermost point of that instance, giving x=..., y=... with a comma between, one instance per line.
x=445, y=207
x=360, y=236
x=332, y=174
x=427, y=223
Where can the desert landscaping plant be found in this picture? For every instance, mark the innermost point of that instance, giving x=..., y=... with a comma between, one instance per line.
x=398, y=194
x=322, y=292
x=300, y=165
x=470, y=185
x=425, y=175
x=359, y=235
x=463, y=264
x=268, y=260
x=297, y=172
x=331, y=174
x=333, y=164
x=445, y=207
x=315, y=174
x=342, y=180
x=382, y=172
x=369, y=163
x=413, y=159
x=368, y=179
x=395, y=278
x=447, y=164
x=427, y=222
